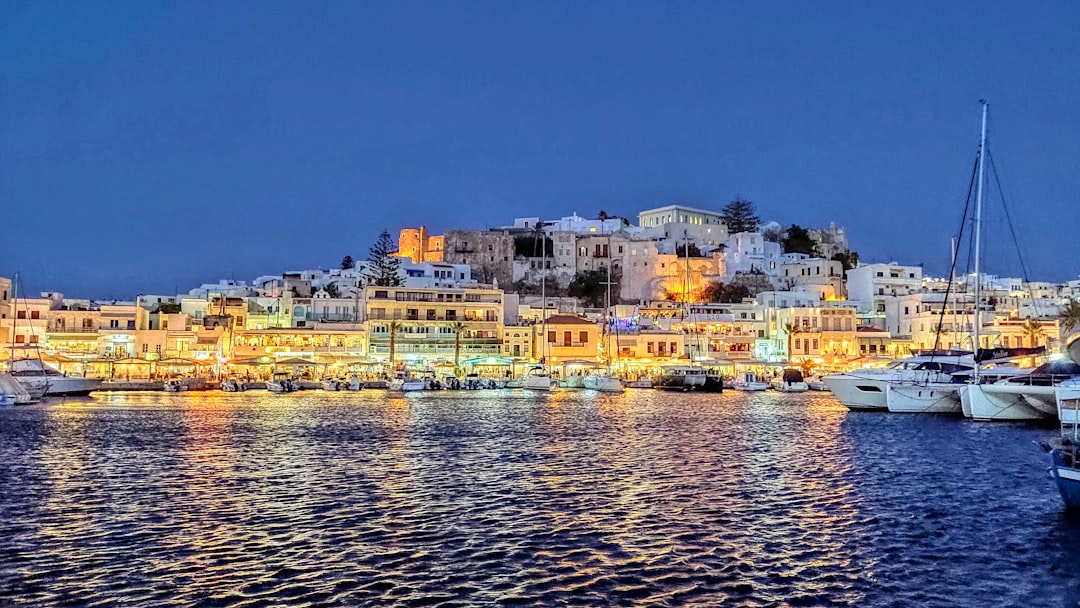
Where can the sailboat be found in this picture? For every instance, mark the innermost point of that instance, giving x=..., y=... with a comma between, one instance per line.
x=603, y=380
x=39, y=379
x=1014, y=399
x=538, y=377
x=943, y=395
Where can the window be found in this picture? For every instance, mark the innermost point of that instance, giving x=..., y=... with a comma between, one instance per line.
x=381, y=294
x=672, y=349
x=567, y=341
x=815, y=344
x=798, y=343
x=648, y=347
x=20, y=314
x=551, y=337
x=35, y=314
x=583, y=337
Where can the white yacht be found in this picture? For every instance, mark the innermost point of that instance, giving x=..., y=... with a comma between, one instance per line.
x=1029, y=397
x=538, y=378
x=602, y=381
x=36, y=377
x=864, y=389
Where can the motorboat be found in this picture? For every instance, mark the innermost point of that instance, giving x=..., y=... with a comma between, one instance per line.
x=791, y=381
x=45, y=380
x=232, y=385
x=864, y=389
x=815, y=384
x=174, y=386
x=1032, y=396
x=538, y=378
x=354, y=384
x=333, y=384
x=682, y=377
x=602, y=381
x=748, y=381
x=404, y=382
x=282, y=383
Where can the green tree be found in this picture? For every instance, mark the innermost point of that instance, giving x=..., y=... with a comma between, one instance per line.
x=1070, y=318
x=798, y=240
x=1033, y=330
x=347, y=263
x=384, y=268
x=332, y=290
x=589, y=286
x=848, y=260
x=713, y=291
x=941, y=332
x=773, y=235
x=740, y=216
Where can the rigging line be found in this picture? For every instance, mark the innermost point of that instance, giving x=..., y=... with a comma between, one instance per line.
x=959, y=239
x=1012, y=231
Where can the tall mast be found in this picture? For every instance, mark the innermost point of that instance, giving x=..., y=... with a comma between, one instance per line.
x=978, y=230
x=543, y=297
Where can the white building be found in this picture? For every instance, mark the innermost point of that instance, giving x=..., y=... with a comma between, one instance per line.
x=750, y=252
x=869, y=284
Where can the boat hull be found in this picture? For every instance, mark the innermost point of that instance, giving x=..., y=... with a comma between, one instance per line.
x=1002, y=402
x=59, y=385
x=923, y=399
x=603, y=383
x=857, y=393
x=1066, y=476
x=791, y=387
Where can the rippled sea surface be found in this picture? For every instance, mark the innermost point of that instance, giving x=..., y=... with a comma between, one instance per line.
x=502, y=498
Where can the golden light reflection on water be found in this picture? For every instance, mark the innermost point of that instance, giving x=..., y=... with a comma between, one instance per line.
x=645, y=492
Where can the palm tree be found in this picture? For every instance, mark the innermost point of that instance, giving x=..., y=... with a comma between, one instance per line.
x=458, y=328
x=1070, y=318
x=1033, y=330
x=394, y=326
x=939, y=332
x=792, y=330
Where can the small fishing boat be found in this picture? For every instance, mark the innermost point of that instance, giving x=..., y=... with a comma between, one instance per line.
x=748, y=381
x=791, y=381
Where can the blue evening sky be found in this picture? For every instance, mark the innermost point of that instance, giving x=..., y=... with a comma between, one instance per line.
x=151, y=146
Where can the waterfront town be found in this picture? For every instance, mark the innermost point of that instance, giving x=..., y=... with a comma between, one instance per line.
x=674, y=285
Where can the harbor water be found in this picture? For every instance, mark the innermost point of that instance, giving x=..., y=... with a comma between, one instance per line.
x=458, y=498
